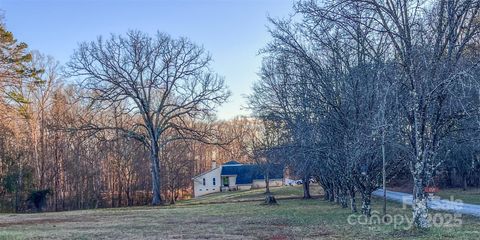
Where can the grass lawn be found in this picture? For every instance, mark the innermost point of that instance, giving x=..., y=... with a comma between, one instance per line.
x=252, y=195
x=196, y=219
x=471, y=195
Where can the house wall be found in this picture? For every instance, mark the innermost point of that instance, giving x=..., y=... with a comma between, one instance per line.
x=244, y=186
x=232, y=181
x=199, y=189
x=260, y=183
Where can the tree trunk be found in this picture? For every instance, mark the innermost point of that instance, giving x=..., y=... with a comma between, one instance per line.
x=384, y=171
x=267, y=183
x=336, y=194
x=306, y=188
x=18, y=188
x=343, y=199
x=172, y=196
x=331, y=193
x=465, y=185
x=112, y=193
x=353, y=204
x=155, y=169
x=366, y=203
x=127, y=193
x=420, y=210
x=419, y=169
x=326, y=193
x=120, y=192
x=270, y=200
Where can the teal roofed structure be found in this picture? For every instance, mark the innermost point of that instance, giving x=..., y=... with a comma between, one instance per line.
x=232, y=176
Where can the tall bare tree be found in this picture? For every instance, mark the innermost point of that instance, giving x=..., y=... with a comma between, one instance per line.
x=429, y=42
x=163, y=80
x=328, y=70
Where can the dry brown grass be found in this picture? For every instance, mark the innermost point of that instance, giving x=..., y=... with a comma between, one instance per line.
x=291, y=219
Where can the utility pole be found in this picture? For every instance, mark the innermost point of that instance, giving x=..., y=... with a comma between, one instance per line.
x=384, y=171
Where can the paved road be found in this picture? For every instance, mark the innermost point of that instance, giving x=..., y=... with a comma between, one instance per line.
x=436, y=204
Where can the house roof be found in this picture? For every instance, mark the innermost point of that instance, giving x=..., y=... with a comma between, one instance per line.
x=248, y=172
x=232, y=162
x=201, y=174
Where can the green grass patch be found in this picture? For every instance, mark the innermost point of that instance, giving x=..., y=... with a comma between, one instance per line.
x=252, y=195
x=471, y=195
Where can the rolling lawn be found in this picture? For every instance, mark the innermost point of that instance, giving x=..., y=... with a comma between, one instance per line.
x=233, y=215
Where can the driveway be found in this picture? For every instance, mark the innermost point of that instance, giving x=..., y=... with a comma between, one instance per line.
x=436, y=204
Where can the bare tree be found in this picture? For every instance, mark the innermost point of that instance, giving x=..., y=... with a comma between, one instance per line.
x=164, y=81
x=326, y=74
x=266, y=149
x=430, y=42
x=178, y=168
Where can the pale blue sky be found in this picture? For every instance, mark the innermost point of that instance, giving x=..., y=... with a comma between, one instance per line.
x=231, y=30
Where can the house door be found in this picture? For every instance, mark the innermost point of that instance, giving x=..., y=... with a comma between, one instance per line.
x=225, y=181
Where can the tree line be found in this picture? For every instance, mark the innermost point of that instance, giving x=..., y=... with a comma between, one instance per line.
x=347, y=90
x=129, y=120
x=352, y=85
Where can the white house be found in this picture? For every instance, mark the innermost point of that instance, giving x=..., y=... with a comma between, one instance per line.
x=233, y=176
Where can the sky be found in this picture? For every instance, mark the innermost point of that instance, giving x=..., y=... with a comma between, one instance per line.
x=232, y=31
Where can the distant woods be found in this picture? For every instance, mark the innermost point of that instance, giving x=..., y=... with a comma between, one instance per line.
x=128, y=121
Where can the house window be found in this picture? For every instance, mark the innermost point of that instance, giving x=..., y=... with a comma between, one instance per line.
x=204, y=182
x=214, y=182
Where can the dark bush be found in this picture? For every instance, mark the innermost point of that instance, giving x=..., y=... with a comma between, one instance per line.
x=38, y=198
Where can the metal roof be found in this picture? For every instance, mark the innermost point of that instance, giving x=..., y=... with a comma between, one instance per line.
x=248, y=172
x=232, y=162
